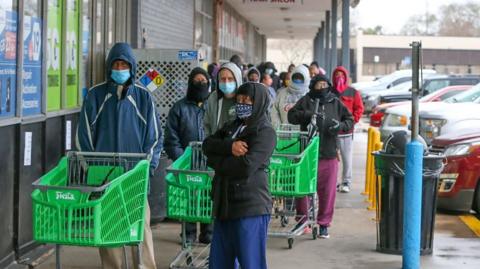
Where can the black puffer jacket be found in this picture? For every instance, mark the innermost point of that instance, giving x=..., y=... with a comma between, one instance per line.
x=332, y=108
x=240, y=186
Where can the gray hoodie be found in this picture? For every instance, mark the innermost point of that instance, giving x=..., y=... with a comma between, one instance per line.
x=288, y=97
x=220, y=109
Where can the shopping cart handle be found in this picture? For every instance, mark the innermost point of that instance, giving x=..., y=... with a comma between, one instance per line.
x=85, y=189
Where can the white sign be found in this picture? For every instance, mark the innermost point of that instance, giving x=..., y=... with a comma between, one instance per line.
x=68, y=135
x=27, y=153
x=376, y=59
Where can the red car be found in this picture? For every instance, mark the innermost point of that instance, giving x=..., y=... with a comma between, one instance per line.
x=377, y=114
x=459, y=185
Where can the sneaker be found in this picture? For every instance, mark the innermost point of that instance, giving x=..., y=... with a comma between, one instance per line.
x=307, y=230
x=323, y=233
x=344, y=189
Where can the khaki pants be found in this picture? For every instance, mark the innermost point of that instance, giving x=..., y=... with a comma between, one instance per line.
x=112, y=258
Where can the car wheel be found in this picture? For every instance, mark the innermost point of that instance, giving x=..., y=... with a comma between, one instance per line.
x=476, y=198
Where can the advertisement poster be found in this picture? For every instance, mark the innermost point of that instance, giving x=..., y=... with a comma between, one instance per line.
x=32, y=66
x=8, y=72
x=71, y=52
x=54, y=38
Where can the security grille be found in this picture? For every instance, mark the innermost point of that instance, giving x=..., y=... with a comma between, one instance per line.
x=173, y=69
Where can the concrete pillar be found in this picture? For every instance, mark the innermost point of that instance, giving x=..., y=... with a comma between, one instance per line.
x=346, y=34
x=327, y=43
x=321, y=50
x=333, y=55
x=315, y=47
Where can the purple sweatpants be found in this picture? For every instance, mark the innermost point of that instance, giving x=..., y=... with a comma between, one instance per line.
x=326, y=192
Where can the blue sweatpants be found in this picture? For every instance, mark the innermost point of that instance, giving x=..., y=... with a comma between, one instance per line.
x=242, y=239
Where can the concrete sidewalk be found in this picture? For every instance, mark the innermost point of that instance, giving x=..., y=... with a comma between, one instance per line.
x=352, y=243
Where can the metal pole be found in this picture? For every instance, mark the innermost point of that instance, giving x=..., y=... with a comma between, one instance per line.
x=327, y=43
x=333, y=57
x=416, y=46
x=315, y=47
x=412, y=196
x=346, y=34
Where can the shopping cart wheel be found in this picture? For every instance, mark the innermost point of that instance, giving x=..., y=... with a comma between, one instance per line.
x=284, y=221
x=315, y=232
x=189, y=260
x=290, y=243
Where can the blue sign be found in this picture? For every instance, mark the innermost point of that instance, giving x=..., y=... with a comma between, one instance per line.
x=32, y=66
x=8, y=66
x=187, y=55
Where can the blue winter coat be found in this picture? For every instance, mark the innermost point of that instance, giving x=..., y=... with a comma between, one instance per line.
x=184, y=125
x=129, y=123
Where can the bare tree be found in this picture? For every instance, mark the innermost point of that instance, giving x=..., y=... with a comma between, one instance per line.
x=420, y=24
x=460, y=19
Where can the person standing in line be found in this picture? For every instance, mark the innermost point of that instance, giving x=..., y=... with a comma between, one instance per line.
x=119, y=116
x=185, y=125
x=352, y=99
x=332, y=117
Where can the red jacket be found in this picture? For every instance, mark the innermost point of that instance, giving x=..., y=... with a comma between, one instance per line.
x=350, y=97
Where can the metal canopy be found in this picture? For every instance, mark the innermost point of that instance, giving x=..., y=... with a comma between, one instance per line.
x=294, y=19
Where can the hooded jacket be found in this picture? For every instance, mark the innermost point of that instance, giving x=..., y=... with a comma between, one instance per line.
x=185, y=122
x=350, y=97
x=330, y=107
x=219, y=109
x=240, y=186
x=254, y=70
x=288, y=97
x=126, y=123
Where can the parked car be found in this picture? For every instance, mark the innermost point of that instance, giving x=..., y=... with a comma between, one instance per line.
x=388, y=81
x=431, y=84
x=459, y=185
x=378, y=112
x=436, y=118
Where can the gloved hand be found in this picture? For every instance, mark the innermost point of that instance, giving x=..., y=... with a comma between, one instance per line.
x=333, y=126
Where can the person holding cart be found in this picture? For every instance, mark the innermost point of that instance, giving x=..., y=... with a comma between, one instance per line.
x=240, y=154
x=185, y=125
x=118, y=115
x=331, y=118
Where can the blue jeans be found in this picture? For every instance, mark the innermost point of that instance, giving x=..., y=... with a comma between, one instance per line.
x=244, y=240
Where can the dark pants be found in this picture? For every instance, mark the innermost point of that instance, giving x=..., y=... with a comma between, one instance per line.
x=243, y=239
x=191, y=230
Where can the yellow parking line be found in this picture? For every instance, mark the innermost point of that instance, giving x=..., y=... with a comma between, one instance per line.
x=472, y=222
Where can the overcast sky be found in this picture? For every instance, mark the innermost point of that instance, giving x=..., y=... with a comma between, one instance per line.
x=392, y=14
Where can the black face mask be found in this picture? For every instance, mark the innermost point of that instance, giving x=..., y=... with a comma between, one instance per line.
x=321, y=94
x=198, y=91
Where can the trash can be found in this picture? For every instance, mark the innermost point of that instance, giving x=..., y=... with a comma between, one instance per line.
x=390, y=168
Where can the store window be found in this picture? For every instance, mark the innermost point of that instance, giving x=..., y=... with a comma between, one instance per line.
x=54, y=51
x=8, y=56
x=32, y=58
x=71, y=51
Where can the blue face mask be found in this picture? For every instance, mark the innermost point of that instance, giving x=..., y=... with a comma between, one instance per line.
x=298, y=81
x=227, y=87
x=269, y=71
x=243, y=111
x=120, y=76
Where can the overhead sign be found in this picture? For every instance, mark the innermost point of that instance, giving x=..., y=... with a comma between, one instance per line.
x=152, y=80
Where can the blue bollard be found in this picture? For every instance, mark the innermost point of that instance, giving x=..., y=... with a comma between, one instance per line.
x=412, y=205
